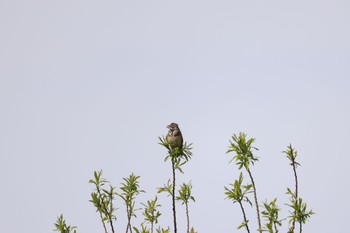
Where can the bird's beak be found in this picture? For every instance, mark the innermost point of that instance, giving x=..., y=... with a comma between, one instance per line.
x=168, y=126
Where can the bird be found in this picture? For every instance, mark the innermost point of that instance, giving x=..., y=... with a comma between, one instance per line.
x=174, y=136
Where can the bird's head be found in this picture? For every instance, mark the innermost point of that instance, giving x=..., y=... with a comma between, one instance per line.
x=173, y=126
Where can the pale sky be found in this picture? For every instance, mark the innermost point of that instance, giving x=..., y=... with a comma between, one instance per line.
x=90, y=85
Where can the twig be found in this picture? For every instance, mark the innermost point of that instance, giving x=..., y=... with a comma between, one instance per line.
x=128, y=226
x=173, y=195
x=274, y=224
x=255, y=199
x=296, y=189
x=244, y=217
x=188, y=218
x=110, y=222
x=104, y=225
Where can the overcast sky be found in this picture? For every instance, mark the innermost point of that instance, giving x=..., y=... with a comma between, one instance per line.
x=89, y=85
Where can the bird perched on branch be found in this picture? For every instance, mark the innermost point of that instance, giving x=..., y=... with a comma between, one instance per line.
x=174, y=136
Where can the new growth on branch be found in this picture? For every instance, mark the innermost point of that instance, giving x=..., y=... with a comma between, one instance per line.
x=178, y=153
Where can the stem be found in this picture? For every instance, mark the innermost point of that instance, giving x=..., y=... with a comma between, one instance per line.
x=256, y=200
x=104, y=225
x=109, y=217
x=173, y=195
x=274, y=224
x=99, y=194
x=152, y=227
x=110, y=222
x=128, y=226
x=188, y=218
x=296, y=190
x=301, y=228
x=244, y=216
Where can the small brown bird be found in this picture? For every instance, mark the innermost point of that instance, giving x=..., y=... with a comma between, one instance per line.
x=174, y=136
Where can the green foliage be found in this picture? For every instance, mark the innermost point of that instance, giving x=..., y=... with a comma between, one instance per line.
x=104, y=194
x=271, y=215
x=179, y=156
x=130, y=189
x=243, y=155
x=102, y=199
x=151, y=213
x=243, y=224
x=142, y=230
x=238, y=192
x=62, y=227
x=163, y=230
x=185, y=193
x=292, y=155
x=299, y=211
x=167, y=188
x=243, y=150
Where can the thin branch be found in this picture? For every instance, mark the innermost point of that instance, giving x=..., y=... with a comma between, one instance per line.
x=110, y=222
x=173, y=196
x=128, y=226
x=296, y=189
x=244, y=217
x=275, y=225
x=188, y=218
x=256, y=200
x=104, y=225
